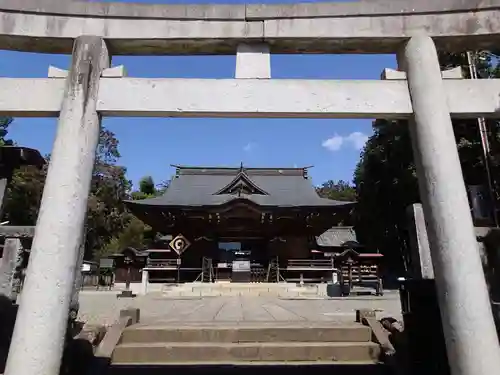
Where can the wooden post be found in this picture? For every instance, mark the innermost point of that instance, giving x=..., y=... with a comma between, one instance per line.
x=127, y=280
x=178, y=268
x=127, y=293
x=349, y=273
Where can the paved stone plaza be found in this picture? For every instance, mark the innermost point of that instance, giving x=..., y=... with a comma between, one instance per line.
x=102, y=307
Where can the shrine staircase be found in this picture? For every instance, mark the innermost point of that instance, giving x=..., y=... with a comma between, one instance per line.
x=245, y=348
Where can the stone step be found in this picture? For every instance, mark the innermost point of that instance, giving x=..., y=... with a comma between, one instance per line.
x=252, y=290
x=240, y=289
x=247, y=333
x=264, y=295
x=240, y=285
x=287, y=294
x=206, y=352
x=251, y=368
x=212, y=292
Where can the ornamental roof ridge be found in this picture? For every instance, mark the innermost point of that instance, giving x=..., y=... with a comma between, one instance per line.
x=241, y=183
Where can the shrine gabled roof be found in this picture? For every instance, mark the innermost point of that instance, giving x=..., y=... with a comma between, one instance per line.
x=206, y=186
x=241, y=184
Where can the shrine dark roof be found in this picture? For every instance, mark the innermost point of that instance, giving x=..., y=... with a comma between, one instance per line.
x=337, y=237
x=209, y=186
x=14, y=157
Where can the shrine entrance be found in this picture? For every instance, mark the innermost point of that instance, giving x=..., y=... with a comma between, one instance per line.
x=242, y=260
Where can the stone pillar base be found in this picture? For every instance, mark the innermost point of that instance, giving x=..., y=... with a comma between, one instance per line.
x=126, y=294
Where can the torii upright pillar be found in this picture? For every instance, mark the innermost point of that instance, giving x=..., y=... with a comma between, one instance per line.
x=39, y=333
x=469, y=329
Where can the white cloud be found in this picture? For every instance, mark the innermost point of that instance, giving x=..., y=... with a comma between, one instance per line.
x=249, y=147
x=334, y=143
x=356, y=140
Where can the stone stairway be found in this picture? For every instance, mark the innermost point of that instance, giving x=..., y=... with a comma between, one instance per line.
x=283, y=290
x=232, y=348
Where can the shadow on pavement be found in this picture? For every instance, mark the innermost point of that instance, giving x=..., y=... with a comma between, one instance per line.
x=295, y=369
x=8, y=312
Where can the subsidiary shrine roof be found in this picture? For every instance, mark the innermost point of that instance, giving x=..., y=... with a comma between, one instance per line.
x=215, y=186
x=337, y=237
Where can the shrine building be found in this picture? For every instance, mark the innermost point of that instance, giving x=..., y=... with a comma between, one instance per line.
x=242, y=224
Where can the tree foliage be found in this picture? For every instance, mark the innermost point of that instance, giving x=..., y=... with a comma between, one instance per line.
x=107, y=215
x=24, y=192
x=147, y=189
x=4, y=125
x=337, y=190
x=135, y=233
x=23, y=195
x=386, y=180
x=386, y=183
x=110, y=227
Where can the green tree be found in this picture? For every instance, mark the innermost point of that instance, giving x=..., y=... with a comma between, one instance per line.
x=386, y=184
x=135, y=233
x=147, y=186
x=385, y=177
x=147, y=189
x=4, y=129
x=106, y=215
x=337, y=190
x=24, y=192
x=24, y=195
x=468, y=137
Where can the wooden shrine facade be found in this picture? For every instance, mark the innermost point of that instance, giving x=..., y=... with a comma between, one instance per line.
x=241, y=202
x=259, y=215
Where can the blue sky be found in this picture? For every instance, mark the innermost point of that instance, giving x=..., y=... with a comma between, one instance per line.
x=148, y=146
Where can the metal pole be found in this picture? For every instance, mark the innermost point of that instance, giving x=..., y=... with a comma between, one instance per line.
x=485, y=144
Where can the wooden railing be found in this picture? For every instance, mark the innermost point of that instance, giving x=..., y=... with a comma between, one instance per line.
x=363, y=273
x=310, y=265
x=162, y=263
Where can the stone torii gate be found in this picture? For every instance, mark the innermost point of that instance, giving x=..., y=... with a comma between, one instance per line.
x=92, y=32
